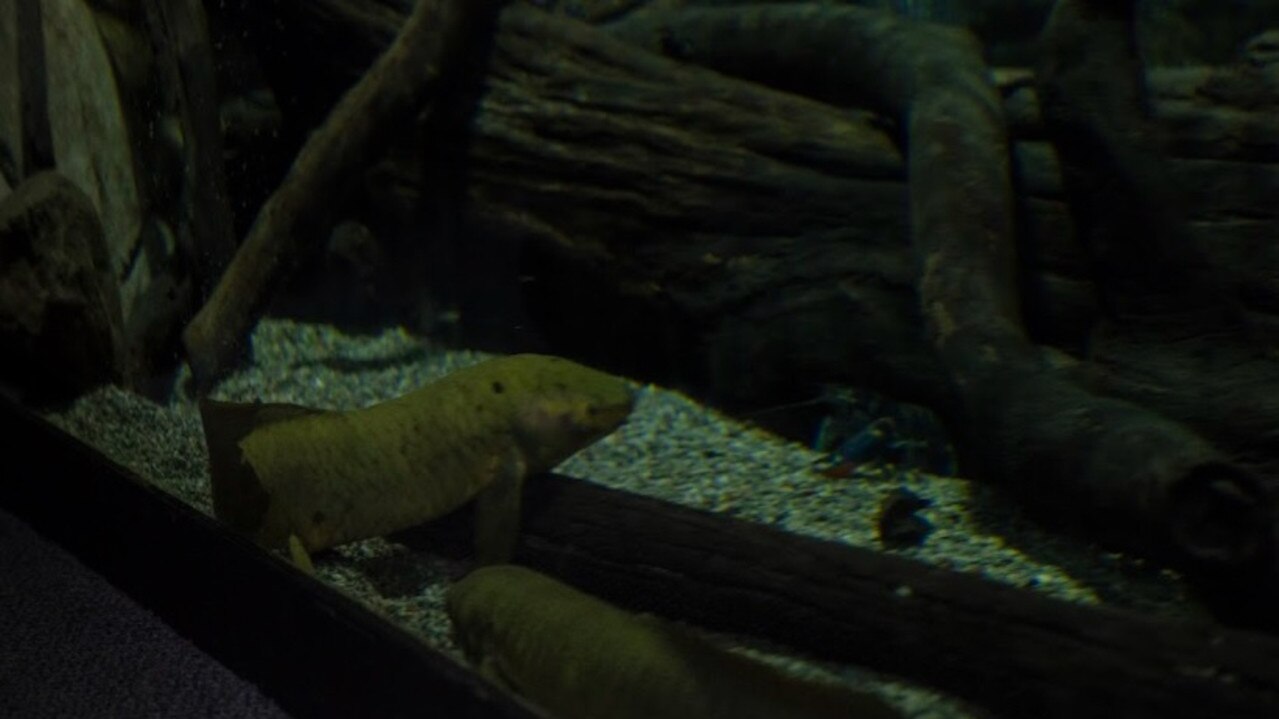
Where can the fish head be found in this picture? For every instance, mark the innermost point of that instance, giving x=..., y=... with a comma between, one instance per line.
x=472, y=629
x=565, y=407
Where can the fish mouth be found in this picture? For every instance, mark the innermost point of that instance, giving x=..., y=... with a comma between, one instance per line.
x=612, y=416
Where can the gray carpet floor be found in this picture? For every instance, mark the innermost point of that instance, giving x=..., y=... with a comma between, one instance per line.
x=72, y=645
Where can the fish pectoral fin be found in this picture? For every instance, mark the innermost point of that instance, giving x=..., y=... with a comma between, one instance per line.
x=490, y=667
x=497, y=511
x=301, y=559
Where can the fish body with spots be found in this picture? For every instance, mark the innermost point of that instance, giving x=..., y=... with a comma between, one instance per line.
x=308, y=479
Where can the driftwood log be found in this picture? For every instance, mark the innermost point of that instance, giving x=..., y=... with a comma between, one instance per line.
x=1135, y=475
x=34, y=151
x=184, y=78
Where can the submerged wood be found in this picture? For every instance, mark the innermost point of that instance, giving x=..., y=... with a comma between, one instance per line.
x=33, y=150
x=185, y=69
x=392, y=92
x=1214, y=117
x=1033, y=424
x=165, y=69
x=1015, y=652
x=1169, y=314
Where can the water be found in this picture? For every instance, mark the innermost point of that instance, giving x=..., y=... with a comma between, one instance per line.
x=859, y=295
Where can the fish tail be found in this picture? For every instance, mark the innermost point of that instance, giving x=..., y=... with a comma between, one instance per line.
x=239, y=499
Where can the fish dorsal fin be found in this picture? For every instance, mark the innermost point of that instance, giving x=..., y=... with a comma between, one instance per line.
x=264, y=413
x=238, y=496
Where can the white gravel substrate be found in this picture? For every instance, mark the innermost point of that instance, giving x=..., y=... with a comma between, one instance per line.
x=672, y=448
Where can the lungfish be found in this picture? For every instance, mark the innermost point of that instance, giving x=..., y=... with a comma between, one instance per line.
x=579, y=657
x=306, y=479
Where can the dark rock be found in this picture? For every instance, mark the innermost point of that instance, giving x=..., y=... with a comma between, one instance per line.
x=898, y=524
x=1263, y=50
x=60, y=317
